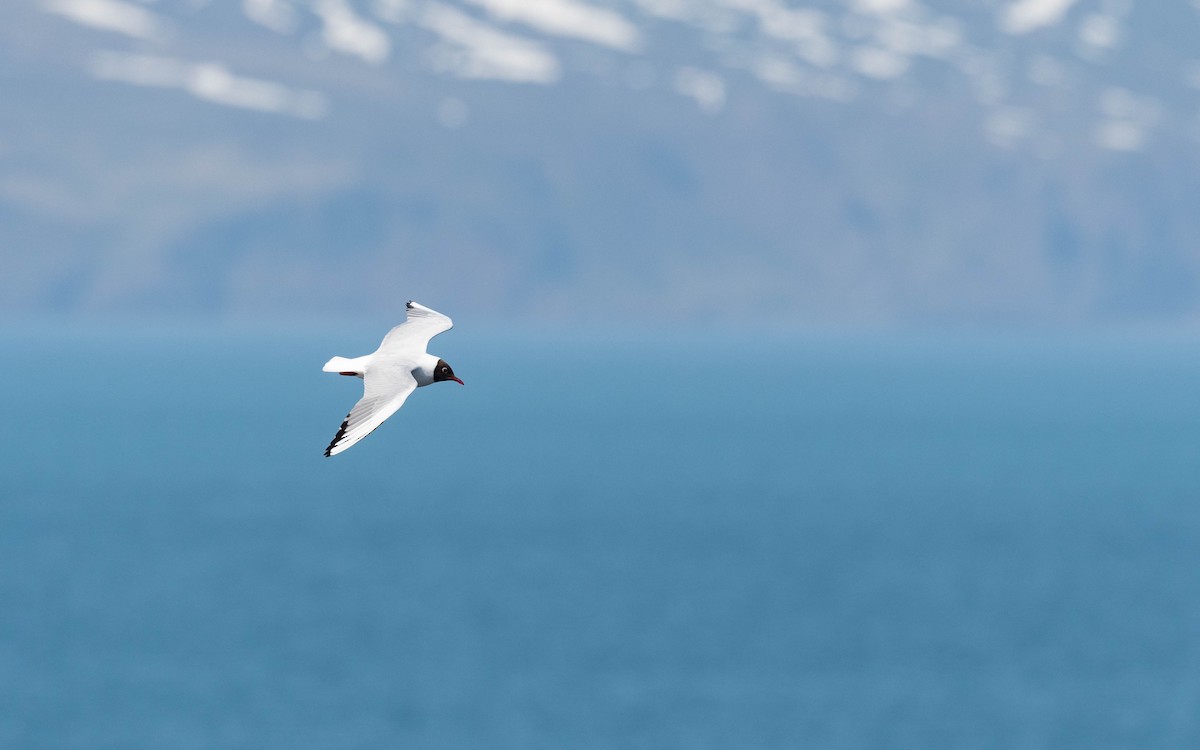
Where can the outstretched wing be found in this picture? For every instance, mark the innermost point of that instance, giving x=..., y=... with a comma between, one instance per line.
x=410, y=338
x=383, y=394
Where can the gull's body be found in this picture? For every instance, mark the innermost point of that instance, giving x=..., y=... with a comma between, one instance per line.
x=393, y=371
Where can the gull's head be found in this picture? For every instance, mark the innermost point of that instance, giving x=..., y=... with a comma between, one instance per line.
x=443, y=371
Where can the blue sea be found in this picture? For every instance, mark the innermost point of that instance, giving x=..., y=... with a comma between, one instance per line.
x=670, y=541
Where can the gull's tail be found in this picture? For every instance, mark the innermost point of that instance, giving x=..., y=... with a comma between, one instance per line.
x=344, y=366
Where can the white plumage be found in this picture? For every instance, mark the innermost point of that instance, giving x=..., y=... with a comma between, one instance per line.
x=398, y=367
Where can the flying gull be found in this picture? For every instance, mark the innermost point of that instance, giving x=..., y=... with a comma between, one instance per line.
x=398, y=367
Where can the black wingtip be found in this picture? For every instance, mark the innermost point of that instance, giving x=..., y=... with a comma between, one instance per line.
x=408, y=305
x=341, y=431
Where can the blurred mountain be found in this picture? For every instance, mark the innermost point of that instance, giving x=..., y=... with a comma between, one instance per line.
x=838, y=162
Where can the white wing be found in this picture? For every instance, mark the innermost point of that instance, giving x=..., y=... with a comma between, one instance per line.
x=410, y=338
x=383, y=393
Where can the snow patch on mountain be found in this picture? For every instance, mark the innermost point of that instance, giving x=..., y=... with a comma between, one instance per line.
x=207, y=81
x=111, y=15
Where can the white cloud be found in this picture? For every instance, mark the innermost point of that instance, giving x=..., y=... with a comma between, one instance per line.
x=344, y=31
x=1023, y=16
x=567, y=18
x=476, y=50
x=210, y=82
x=111, y=15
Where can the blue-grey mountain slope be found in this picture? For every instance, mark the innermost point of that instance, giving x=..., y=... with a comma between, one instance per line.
x=819, y=162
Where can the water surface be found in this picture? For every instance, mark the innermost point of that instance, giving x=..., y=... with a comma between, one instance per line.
x=809, y=542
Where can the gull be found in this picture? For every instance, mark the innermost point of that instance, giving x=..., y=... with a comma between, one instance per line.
x=397, y=368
